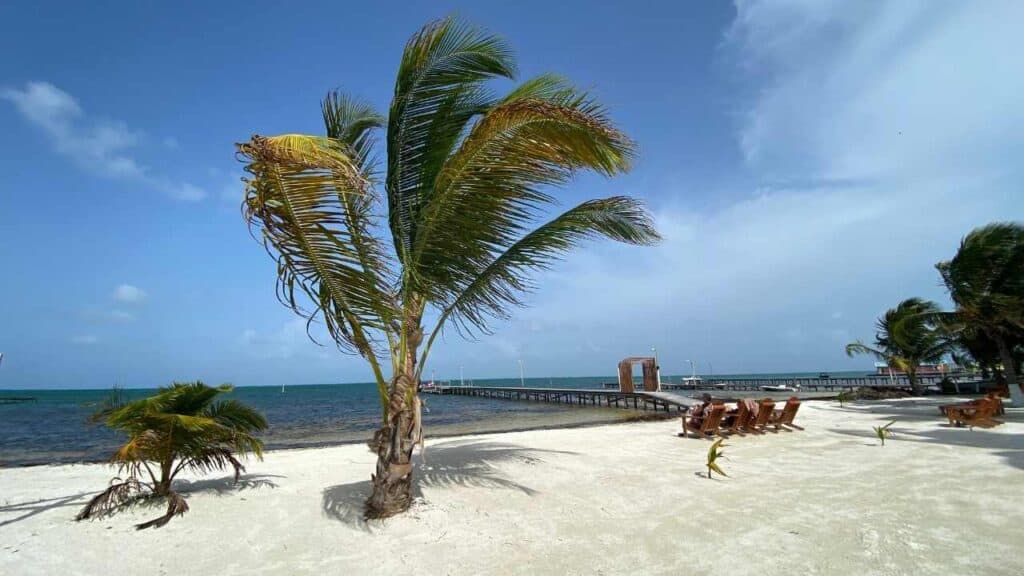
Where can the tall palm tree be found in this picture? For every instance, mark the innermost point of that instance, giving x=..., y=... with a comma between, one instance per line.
x=986, y=282
x=467, y=184
x=907, y=336
x=178, y=428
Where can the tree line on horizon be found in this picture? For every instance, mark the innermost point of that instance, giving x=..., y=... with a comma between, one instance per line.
x=985, y=281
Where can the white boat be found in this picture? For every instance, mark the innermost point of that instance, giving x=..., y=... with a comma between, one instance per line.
x=780, y=388
x=692, y=381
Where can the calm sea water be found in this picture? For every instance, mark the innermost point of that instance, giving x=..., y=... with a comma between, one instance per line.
x=54, y=428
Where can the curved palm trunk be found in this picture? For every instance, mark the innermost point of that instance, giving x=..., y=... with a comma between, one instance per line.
x=1009, y=371
x=394, y=442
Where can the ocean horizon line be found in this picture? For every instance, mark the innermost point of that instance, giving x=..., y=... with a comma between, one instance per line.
x=611, y=377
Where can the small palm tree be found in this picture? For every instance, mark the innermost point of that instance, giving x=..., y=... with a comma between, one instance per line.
x=178, y=428
x=468, y=183
x=714, y=453
x=845, y=396
x=907, y=336
x=883, y=432
x=986, y=283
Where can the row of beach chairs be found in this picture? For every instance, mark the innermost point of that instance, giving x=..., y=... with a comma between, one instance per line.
x=979, y=413
x=748, y=416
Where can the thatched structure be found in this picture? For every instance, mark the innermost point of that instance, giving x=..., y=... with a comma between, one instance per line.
x=650, y=369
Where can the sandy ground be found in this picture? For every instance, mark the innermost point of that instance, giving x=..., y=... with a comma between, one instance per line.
x=614, y=499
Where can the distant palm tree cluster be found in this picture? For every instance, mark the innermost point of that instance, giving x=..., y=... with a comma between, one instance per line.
x=985, y=280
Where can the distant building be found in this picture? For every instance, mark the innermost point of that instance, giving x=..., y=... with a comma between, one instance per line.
x=883, y=369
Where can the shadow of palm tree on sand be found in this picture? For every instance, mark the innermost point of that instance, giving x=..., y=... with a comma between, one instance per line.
x=456, y=463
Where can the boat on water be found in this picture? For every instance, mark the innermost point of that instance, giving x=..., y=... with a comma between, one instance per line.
x=780, y=388
x=692, y=382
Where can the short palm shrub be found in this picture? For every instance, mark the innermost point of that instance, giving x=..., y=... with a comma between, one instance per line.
x=883, y=432
x=714, y=453
x=180, y=427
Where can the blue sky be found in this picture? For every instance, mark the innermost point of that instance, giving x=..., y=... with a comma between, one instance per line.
x=807, y=162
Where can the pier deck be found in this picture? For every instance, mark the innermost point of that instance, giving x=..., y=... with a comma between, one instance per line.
x=639, y=400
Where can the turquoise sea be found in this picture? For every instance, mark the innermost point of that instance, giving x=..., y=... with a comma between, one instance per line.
x=54, y=428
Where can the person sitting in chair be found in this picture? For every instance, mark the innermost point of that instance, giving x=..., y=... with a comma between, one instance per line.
x=700, y=411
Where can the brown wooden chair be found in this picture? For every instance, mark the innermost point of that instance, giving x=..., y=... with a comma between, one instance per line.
x=737, y=419
x=708, y=426
x=763, y=416
x=980, y=414
x=784, y=417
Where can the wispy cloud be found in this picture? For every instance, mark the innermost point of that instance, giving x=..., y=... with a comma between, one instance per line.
x=869, y=158
x=84, y=340
x=104, y=147
x=287, y=341
x=129, y=294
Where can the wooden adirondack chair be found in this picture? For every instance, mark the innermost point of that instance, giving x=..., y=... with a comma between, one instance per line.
x=740, y=418
x=764, y=414
x=784, y=417
x=980, y=414
x=707, y=427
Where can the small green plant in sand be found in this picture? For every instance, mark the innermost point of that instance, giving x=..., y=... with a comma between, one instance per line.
x=714, y=453
x=883, y=432
x=845, y=396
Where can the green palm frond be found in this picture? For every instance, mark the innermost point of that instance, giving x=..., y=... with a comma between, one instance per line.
x=492, y=189
x=714, y=453
x=439, y=89
x=908, y=335
x=499, y=286
x=353, y=123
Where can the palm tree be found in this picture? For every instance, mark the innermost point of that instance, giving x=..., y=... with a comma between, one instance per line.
x=986, y=283
x=178, y=428
x=467, y=181
x=907, y=336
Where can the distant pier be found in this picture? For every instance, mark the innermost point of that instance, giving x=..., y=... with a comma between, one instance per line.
x=658, y=401
x=804, y=384
x=16, y=399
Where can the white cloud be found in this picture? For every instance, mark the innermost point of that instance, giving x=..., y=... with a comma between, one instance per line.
x=104, y=147
x=186, y=192
x=287, y=341
x=875, y=136
x=85, y=339
x=129, y=294
x=171, y=142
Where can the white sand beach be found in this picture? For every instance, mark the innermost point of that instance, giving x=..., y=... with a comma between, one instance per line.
x=615, y=499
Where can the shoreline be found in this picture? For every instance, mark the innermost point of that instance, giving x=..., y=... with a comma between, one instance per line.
x=641, y=417
x=825, y=500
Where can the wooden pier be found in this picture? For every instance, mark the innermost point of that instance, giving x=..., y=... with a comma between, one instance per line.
x=809, y=384
x=638, y=400
x=16, y=399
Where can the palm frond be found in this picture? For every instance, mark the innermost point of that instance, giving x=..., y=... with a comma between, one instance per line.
x=492, y=189
x=296, y=198
x=438, y=91
x=176, y=506
x=118, y=494
x=353, y=123
x=499, y=286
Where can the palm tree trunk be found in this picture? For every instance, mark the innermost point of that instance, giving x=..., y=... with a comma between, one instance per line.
x=392, y=482
x=394, y=442
x=915, y=389
x=1009, y=371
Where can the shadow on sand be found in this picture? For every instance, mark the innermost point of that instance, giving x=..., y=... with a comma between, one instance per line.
x=1008, y=446
x=220, y=486
x=465, y=463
